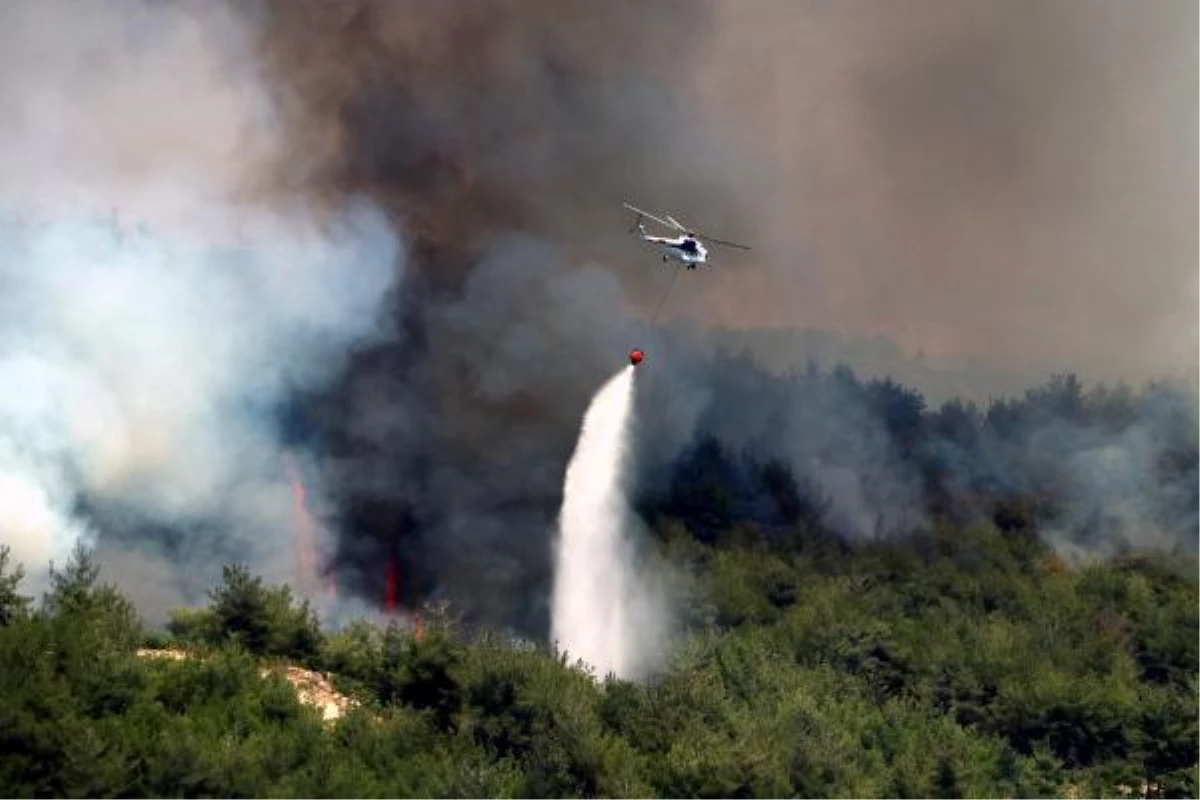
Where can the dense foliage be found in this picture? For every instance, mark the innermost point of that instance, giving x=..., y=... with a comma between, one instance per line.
x=962, y=657
x=1099, y=469
x=966, y=664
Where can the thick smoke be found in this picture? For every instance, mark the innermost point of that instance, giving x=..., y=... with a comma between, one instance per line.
x=507, y=134
x=992, y=180
x=827, y=431
x=477, y=118
x=861, y=154
x=1012, y=182
x=452, y=460
x=1095, y=470
x=1124, y=467
x=1006, y=181
x=145, y=358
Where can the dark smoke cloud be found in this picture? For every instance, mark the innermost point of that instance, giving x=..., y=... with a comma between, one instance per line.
x=1007, y=182
x=954, y=176
x=505, y=135
x=476, y=118
x=965, y=178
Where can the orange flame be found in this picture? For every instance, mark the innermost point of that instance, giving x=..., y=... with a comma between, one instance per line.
x=305, y=531
x=391, y=596
x=389, y=601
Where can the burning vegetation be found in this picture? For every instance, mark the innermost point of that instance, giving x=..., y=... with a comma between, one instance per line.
x=1004, y=675
x=326, y=372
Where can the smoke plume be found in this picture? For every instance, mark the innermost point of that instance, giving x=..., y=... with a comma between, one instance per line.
x=975, y=180
x=950, y=176
x=1006, y=182
x=146, y=357
x=500, y=132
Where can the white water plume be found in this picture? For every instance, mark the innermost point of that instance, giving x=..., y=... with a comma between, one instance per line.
x=605, y=612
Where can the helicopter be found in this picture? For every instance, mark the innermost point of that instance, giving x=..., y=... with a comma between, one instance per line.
x=686, y=248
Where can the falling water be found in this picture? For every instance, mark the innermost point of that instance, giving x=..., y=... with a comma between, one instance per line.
x=601, y=610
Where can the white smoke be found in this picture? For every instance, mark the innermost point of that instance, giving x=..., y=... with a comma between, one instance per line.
x=143, y=358
x=606, y=611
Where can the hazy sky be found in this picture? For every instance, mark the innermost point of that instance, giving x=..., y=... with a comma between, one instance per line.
x=1008, y=181
x=1014, y=181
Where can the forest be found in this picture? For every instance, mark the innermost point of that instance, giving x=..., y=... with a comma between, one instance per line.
x=1032, y=632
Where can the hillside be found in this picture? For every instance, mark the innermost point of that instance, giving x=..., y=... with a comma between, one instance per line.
x=1032, y=631
x=312, y=688
x=965, y=663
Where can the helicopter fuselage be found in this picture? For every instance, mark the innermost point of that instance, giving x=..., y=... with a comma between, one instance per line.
x=687, y=250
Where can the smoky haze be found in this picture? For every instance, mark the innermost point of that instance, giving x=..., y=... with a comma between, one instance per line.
x=998, y=181
x=1014, y=182
x=156, y=309
x=1009, y=183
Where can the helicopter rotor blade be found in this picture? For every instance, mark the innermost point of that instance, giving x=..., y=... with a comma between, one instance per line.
x=671, y=222
x=647, y=214
x=722, y=242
